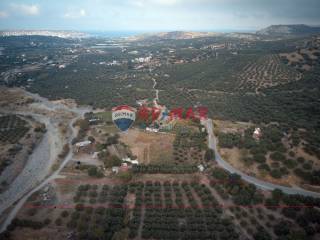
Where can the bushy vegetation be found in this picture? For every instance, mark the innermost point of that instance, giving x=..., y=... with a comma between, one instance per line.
x=93, y=171
x=101, y=222
x=209, y=155
x=166, y=218
x=109, y=160
x=204, y=77
x=282, y=158
x=12, y=128
x=189, y=144
x=296, y=215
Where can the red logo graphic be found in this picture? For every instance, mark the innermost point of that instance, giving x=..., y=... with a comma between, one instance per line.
x=153, y=113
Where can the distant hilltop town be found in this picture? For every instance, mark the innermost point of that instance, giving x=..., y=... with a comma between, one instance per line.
x=60, y=34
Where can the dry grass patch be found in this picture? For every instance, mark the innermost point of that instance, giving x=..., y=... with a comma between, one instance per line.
x=150, y=148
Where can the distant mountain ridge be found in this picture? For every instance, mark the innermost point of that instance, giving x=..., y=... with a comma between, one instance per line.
x=174, y=35
x=295, y=30
x=185, y=35
x=272, y=31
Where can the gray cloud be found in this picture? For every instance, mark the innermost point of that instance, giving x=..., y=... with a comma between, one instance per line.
x=158, y=14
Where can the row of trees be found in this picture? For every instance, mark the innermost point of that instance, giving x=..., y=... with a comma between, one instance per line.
x=201, y=220
x=11, y=121
x=92, y=194
x=100, y=222
x=302, y=211
x=271, y=142
x=13, y=135
x=166, y=169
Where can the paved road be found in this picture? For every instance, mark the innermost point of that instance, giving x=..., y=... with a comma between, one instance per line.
x=259, y=183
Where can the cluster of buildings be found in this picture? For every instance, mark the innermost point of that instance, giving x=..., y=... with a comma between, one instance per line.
x=114, y=63
x=215, y=46
x=142, y=59
x=82, y=145
x=125, y=165
x=60, y=34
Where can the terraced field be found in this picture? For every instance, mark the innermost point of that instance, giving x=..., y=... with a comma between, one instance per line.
x=12, y=128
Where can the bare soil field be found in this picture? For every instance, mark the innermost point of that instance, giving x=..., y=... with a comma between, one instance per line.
x=87, y=159
x=13, y=96
x=150, y=148
x=234, y=156
x=231, y=127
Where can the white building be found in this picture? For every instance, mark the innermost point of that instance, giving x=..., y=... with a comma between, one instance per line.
x=155, y=130
x=133, y=162
x=142, y=59
x=115, y=169
x=201, y=168
x=83, y=144
x=257, y=133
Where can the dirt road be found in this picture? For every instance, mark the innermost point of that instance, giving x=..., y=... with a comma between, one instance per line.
x=36, y=173
x=257, y=182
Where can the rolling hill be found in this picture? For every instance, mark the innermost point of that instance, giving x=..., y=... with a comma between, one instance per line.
x=289, y=30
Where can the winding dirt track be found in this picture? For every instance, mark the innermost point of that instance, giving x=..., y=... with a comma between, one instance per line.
x=36, y=173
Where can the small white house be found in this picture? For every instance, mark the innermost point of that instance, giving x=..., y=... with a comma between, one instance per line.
x=201, y=168
x=257, y=133
x=93, y=119
x=115, y=169
x=155, y=130
x=133, y=162
x=83, y=144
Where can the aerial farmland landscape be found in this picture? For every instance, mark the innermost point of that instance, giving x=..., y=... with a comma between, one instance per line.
x=160, y=119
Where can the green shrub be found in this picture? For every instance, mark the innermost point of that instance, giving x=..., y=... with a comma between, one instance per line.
x=93, y=171
x=276, y=173
x=290, y=163
x=65, y=214
x=260, y=158
x=264, y=167
x=307, y=166
x=277, y=156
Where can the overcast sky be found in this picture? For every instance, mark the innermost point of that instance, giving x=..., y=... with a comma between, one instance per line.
x=156, y=15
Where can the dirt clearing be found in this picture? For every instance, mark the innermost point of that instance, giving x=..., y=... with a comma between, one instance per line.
x=150, y=148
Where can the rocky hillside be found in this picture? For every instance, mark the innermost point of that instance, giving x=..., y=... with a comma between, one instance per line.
x=175, y=35
x=289, y=30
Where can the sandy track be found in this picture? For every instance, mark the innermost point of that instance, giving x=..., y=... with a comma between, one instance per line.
x=36, y=173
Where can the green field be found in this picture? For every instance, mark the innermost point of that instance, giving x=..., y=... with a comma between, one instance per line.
x=104, y=116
